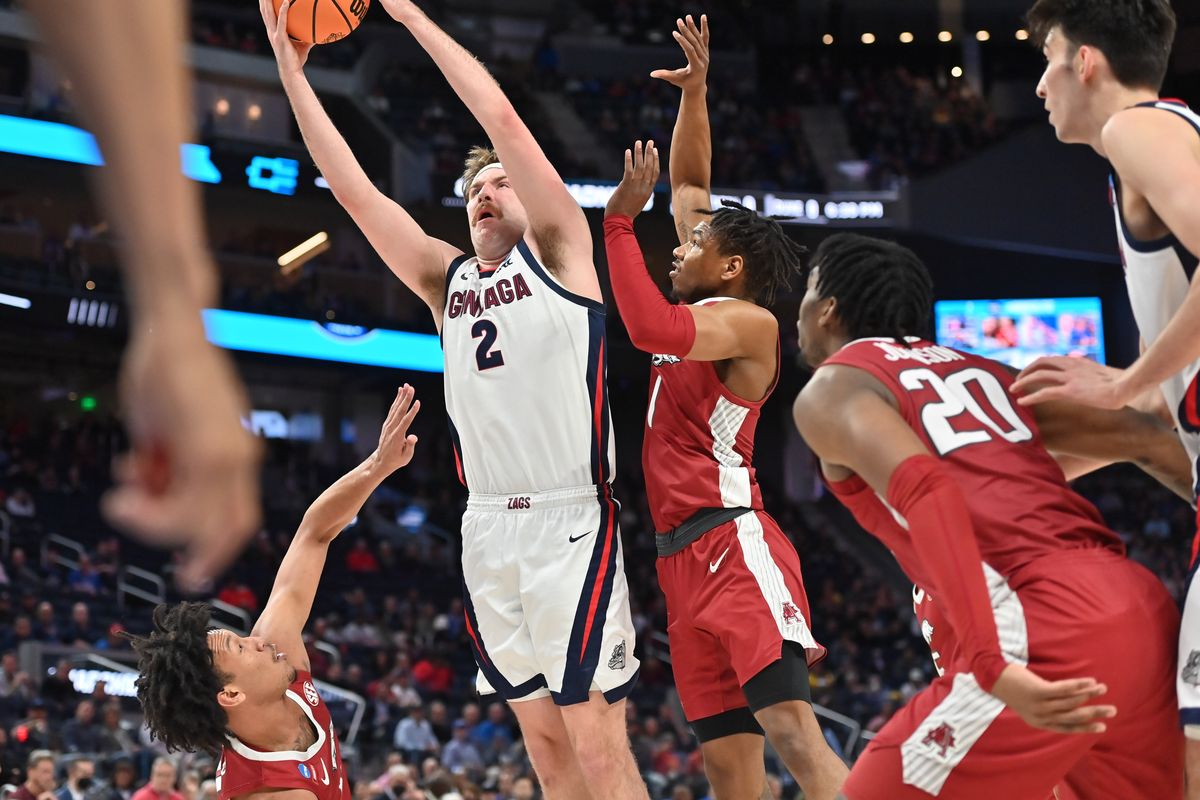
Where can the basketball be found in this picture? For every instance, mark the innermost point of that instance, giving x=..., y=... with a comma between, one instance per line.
x=323, y=21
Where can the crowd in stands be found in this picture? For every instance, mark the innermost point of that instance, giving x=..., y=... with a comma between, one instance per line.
x=388, y=622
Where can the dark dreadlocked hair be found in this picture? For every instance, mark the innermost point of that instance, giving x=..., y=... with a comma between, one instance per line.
x=771, y=257
x=178, y=682
x=881, y=288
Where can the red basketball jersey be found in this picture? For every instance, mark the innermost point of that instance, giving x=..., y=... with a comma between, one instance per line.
x=960, y=406
x=244, y=769
x=699, y=443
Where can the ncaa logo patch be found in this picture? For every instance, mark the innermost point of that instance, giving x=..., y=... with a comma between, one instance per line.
x=305, y=771
x=310, y=694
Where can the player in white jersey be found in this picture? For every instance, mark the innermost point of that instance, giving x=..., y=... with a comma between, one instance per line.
x=522, y=325
x=1106, y=61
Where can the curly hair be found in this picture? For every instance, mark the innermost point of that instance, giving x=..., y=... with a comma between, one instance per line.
x=770, y=256
x=178, y=682
x=882, y=288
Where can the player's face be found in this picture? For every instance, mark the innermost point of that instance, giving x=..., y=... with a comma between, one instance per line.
x=255, y=665
x=1061, y=89
x=497, y=218
x=813, y=338
x=697, y=267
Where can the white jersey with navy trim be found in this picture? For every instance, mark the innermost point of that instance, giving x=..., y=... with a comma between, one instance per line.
x=526, y=379
x=1158, y=274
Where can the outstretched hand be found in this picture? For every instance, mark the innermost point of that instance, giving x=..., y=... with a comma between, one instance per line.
x=396, y=444
x=637, y=184
x=1066, y=378
x=694, y=41
x=1053, y=706
x=290, y=54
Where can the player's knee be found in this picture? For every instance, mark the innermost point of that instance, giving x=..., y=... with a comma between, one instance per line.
x=551, y=755
x=601, y=755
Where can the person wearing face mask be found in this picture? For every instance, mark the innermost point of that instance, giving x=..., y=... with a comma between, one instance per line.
x=81, y=777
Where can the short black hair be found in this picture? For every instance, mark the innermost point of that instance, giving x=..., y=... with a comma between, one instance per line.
x=881, y=288
x=1134, y=35
x=178, y=681
x=770, y=256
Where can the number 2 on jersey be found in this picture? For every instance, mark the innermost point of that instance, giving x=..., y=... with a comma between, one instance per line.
x=955, y=399
x=485, y=356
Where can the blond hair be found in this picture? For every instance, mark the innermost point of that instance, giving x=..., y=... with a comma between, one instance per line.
x=477, y=158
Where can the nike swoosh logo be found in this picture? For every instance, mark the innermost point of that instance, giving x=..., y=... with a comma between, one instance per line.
x=713, y=566
x=580, y=536
x=325, y=774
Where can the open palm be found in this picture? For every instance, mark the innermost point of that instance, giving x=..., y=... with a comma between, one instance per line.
x=694, y=41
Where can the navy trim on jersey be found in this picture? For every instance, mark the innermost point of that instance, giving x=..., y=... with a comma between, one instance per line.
x=450, y=272
x=459, y=466
x=539, y=270
x=501, y=684
x=583, y=657
x=597, y=386
x=1185, y=256
x=452, y=269
x=1174, y=106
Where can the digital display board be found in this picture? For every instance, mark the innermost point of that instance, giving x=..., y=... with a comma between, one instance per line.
x=1017, y=332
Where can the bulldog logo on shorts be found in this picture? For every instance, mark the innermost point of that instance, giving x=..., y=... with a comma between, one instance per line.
x=617, y=661
x=310, y=694
x=1191, y=670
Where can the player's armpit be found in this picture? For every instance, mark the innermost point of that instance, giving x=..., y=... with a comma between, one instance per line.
x=733, y=329
x=1155, y=154
x=278, y=794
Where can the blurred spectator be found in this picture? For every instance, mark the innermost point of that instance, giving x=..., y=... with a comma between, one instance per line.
x=85, y=579
x=45, y=627
x=119, y=737
x=80, y=631
x=39, y=778
x=361, y=559
x=414, y=737
x=460, y=755
x=236, y=593
x=81, y=777
x=121, y=783
x=162, y=782
x=20, y=504
x=58, y=691
x=83, y=734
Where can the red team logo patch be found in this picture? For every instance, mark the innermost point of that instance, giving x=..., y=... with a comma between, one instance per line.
x=791, y=614
x=310, y=694
x=941, y=737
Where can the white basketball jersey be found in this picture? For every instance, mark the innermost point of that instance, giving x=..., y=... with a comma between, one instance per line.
x=526, y=379
x=1158, y=274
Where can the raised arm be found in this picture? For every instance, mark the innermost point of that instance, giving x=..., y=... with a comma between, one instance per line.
x=1157, y=155
x=731, y=329
x=691, y=143
x=560, y=231
x=419, y=260
x=848, y=419
x=283, y=619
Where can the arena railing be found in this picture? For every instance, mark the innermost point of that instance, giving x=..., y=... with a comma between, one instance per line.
x=231, y=617
x=152, y=588
x=51, y=546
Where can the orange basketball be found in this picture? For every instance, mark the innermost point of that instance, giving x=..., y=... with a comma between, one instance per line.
x=323, y=21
